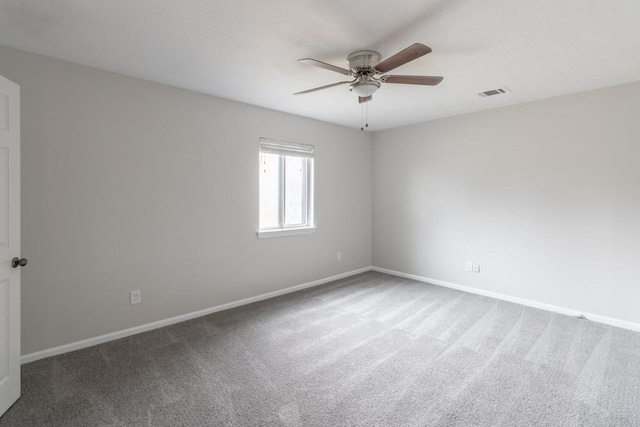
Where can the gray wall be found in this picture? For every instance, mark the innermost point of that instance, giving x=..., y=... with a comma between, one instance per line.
x=128, y=184
x=544, y=195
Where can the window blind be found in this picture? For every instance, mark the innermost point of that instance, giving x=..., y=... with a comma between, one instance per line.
x=284, y=148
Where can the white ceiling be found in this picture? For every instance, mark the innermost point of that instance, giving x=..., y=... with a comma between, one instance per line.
x=246, y=50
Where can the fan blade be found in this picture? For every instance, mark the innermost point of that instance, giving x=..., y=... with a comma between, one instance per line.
x=321, y=87
x=413, y=80
x=414, y=51
x=362, y=99
x=326, y=66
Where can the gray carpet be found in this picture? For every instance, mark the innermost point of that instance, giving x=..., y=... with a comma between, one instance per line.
x=370, y=350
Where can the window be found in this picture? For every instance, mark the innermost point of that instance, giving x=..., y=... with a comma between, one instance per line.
x=286, y=188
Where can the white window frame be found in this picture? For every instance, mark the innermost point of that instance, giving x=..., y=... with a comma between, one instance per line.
x=290, y=149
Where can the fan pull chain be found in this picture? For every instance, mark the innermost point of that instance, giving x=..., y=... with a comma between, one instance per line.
x=366, y=123
x=364, y=116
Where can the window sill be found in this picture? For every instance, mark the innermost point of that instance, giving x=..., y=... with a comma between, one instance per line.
x=264, y=234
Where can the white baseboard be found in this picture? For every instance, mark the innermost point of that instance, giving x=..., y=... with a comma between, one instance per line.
x=543, y=306
x=31, y=357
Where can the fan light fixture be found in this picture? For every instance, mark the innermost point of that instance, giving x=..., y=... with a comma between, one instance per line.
x=364, y=88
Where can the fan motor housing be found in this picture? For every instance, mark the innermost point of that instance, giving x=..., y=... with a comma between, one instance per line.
x=363, y=60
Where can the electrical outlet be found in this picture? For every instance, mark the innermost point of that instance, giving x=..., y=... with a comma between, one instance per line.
x=468, y=266
x=476, y=267
x=135, y=297
x=339, y=256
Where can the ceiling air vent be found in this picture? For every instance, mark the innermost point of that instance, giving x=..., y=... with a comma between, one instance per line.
x=493, y=92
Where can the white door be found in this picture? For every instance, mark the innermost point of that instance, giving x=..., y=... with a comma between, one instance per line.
x=9, y=243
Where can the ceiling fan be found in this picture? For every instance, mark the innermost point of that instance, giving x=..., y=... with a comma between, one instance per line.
x=365, y=65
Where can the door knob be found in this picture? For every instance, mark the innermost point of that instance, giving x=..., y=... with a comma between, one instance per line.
x=18, y=262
